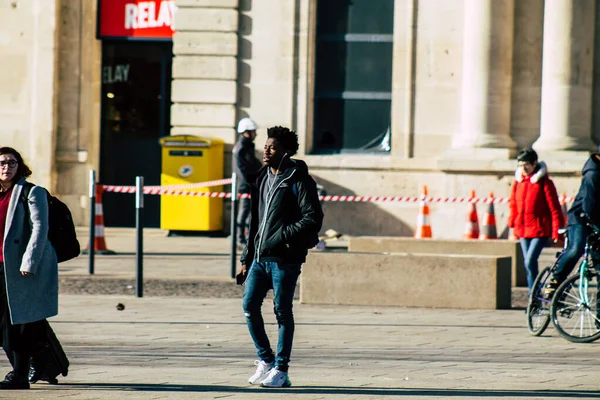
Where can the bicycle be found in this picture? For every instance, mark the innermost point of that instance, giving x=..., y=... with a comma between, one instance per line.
x=575, y=306
x=538, y=305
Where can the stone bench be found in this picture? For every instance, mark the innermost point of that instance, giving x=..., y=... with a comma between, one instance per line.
x=505, y=248
x=411, y=280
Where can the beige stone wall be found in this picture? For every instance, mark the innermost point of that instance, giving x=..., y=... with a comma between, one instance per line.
x=78, y=104
x=438, y=75
x=274, y=64
x=50, y=91
x=205, y=69
x=28, y=73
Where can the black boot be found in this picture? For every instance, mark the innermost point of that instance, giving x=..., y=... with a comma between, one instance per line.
x=34, y=375
x=12, y=381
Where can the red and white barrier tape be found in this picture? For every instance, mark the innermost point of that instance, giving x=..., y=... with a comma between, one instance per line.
x=165, y=189
x=416, y=199
x=362, y=199
x=179, y=190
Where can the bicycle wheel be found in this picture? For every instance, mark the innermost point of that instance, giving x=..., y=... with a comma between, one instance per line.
x=575, y=309
x=538, y=307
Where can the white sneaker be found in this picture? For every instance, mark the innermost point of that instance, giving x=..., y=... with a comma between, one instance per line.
x=276, y=379
x=262, y=371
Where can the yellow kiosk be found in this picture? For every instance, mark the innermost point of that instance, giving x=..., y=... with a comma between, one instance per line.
x=188, y=159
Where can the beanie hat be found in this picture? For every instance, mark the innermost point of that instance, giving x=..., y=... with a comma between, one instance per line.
x=246, y=124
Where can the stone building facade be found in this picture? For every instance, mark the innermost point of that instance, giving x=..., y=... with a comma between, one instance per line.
x=470, y=83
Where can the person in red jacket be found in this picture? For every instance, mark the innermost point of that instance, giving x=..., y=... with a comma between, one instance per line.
x=535, y=213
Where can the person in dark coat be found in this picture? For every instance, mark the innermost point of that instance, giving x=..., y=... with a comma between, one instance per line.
x=586, y=201
x=244, y=164
x=535, y=213
x=286, y=219
x=29, y=269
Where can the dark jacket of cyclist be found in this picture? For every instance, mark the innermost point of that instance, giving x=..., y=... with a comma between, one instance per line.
x=588, y=198
x=587, y=201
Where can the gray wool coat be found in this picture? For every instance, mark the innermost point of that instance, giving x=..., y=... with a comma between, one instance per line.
x=27, y=248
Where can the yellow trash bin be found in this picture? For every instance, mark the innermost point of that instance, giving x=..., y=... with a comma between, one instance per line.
x=190, y=159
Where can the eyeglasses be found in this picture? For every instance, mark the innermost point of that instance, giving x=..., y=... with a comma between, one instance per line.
x=10, y=163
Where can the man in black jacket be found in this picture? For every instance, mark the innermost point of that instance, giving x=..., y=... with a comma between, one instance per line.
x=244, y=164
x=286, y=218
x=587, y=201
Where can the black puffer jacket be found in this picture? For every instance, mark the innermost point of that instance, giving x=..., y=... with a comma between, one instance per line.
x=588, y=197
x=293, y=217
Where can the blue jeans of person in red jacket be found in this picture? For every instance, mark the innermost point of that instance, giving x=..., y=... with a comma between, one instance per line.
x=532, y=248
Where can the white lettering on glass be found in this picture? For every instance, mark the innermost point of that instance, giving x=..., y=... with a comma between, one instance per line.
x=115, y=73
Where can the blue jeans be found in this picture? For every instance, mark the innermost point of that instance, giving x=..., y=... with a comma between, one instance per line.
x=532, y=248
x=282, y=278
x=577, y=235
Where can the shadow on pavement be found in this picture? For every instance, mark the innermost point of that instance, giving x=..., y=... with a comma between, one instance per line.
x=337, y=390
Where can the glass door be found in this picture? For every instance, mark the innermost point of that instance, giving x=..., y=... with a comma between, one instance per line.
x=136, y=86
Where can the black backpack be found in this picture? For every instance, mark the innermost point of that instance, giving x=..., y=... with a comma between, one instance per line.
x=61, y=232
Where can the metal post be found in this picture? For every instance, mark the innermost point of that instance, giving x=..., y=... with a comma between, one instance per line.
x=139, y=223
x=234, y=209
x=92, y=194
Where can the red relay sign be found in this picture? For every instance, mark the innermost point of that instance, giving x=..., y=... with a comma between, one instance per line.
x=136, y=19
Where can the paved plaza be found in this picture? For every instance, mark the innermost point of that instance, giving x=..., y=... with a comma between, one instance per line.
x=199, y=348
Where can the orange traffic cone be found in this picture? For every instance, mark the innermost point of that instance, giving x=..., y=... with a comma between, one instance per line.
x=423, y=230
x=472, y=226
x=99, y=241
x=488, y=230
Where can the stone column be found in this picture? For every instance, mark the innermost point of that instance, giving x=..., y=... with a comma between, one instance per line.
x=567, y=72
x=486, y=77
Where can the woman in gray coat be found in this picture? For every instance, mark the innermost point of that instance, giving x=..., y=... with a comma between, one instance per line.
x=29, y=270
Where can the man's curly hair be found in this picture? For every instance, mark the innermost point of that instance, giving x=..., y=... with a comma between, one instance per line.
x=286, y=137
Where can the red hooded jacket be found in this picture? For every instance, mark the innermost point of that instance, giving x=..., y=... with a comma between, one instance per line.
x=534, y=207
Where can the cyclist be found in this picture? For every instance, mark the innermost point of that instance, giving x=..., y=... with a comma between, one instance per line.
x=587, y=201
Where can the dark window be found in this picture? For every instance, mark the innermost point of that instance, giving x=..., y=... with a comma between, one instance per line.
x=353, y=76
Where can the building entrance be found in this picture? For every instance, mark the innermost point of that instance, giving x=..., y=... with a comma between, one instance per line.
x=136, y=93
